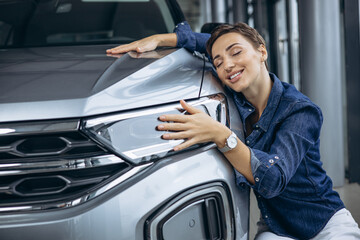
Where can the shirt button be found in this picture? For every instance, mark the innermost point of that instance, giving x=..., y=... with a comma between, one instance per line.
x=250, y=110
x=247, y=142
x=276, y=157
x=266, y=216
x=271, y=161
x=257, y=179
x=182, y=23
x=256, y=126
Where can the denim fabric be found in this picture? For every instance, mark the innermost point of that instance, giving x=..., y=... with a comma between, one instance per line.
x=190, y=40
x=294, y=194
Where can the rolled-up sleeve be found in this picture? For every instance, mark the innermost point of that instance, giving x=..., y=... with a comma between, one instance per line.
x=273, y=169
x=190, y=40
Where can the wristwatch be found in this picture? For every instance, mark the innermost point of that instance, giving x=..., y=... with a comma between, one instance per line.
x=231, y=143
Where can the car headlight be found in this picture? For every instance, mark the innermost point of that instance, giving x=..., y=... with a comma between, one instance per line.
x=133, y=136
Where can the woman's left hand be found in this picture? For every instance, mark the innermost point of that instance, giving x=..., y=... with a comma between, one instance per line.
x=198, y=127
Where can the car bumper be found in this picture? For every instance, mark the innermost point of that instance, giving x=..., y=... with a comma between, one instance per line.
x=121, y=213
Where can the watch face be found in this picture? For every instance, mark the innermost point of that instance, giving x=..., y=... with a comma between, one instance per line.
x=232, y=142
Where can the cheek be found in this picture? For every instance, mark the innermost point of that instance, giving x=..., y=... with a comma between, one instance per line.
x=258, y=58
x=221, y=76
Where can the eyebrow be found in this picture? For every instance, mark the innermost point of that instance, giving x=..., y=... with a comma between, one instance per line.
x=227, y=49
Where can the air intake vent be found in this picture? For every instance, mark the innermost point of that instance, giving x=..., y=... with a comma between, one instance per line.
x=41, y=146
x=62, y=144
x=56, y=186
x=37, y=186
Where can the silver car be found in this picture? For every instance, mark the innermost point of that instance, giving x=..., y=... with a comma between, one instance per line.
x=80, y=157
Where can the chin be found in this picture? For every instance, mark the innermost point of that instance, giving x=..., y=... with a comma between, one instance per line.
x=237, y=87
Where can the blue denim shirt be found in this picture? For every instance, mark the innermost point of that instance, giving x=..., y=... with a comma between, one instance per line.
x=294, y=194
x=190, y=40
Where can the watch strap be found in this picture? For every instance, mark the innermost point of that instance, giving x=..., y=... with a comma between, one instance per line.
x=225, y=149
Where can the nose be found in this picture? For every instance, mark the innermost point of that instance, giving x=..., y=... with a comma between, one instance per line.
x=228, y=65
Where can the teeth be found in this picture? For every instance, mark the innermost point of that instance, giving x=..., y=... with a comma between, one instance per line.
x=236, y=74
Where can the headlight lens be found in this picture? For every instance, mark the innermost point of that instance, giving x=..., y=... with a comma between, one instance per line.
x=133, y=135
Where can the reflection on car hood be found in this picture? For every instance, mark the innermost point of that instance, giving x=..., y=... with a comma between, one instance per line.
x=77, y=81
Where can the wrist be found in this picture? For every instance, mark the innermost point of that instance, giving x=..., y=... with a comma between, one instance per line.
x=166, y=40
x=230, y=143
x=221, y=136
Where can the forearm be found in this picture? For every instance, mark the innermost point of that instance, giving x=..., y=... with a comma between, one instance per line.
x=239, y=157
x=166, y=40
x=183, y=36
x=147, y=44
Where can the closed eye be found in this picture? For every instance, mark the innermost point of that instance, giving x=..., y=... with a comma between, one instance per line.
x=237, y=53
x=218, y=64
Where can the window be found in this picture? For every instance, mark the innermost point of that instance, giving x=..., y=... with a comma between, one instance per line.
x=82, y=21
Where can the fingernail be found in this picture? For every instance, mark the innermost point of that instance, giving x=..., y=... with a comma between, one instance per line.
x=176, y=149
x=165, y=136
x=162, y=118
x=160, y=127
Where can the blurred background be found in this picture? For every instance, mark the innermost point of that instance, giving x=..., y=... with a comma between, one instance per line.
x=314, y=45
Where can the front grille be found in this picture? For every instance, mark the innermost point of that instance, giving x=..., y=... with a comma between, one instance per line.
x=13, y=148
x=55, y=186
x=49, y=163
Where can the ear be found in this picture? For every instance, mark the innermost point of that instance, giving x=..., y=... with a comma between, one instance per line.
x=263, y=51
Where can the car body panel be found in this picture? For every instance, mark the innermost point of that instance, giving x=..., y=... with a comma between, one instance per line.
x=43, y=82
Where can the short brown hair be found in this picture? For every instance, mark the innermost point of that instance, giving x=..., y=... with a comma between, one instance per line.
x=243, y=29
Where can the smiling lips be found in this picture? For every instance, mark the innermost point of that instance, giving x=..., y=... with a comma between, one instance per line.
x=235, y=76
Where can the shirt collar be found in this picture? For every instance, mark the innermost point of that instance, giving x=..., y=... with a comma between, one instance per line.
x=271, y=106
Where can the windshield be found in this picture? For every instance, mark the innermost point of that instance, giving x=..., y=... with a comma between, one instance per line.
x=25, y=23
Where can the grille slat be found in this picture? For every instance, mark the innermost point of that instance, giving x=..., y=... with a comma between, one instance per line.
x=79, y=182
x=46, y=145
x=41, y=163
x=51, y=165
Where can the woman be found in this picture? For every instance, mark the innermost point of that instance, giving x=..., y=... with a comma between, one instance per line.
x=280, y=158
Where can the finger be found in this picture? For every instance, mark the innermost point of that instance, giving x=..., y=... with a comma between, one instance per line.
x=122, y=48
x=174, y=118
x=190, y=109
x=115, y=49
x=175, y=135
x=184, y=145
x=140, y=50
x=172, y=127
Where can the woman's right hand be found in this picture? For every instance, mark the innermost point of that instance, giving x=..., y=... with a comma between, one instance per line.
x=146, y=44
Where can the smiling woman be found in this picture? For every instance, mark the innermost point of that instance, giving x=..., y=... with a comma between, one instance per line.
x=240, y=60
x=280, y=158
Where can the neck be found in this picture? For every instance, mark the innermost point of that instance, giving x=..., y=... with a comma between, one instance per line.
x=258, y=93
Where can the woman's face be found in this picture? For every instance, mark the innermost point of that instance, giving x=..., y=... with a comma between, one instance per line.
x=238, y=64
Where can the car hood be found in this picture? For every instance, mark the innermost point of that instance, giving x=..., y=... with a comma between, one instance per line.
x=77, y=81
